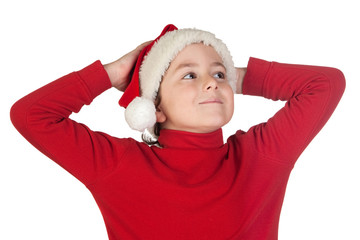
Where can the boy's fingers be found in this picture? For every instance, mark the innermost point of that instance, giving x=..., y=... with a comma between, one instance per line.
x=141, y=46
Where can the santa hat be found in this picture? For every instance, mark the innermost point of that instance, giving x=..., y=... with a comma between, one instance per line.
x=151, y=65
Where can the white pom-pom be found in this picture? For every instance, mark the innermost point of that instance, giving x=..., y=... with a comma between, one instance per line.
x=140, y=114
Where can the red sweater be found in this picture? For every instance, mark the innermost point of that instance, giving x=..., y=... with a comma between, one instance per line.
x=195, y=187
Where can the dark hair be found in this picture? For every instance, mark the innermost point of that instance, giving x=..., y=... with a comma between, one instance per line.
x=152, y=138
x=149, y=138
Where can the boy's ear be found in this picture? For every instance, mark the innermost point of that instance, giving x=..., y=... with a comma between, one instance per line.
x=160, y=115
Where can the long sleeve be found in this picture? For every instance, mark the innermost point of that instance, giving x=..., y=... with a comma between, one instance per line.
x=42, y=117
x=311, y=94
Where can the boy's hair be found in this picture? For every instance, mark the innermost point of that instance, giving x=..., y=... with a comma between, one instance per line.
x=152, y=138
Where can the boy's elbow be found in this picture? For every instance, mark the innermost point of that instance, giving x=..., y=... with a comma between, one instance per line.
x=18, y=116
x=337, y=79
x=337, y=84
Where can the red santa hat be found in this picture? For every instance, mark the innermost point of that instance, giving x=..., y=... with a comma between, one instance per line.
x=151, y=65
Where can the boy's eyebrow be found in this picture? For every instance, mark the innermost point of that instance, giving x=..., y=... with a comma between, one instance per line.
x=184, y=65
x=218, y=64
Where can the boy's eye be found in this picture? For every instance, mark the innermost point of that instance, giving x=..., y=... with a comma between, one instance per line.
x=219, y=75
x=189, y=76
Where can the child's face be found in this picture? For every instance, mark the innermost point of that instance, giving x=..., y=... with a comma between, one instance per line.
x=195, y=95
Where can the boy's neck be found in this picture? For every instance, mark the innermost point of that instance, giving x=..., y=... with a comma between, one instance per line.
x=180, y=139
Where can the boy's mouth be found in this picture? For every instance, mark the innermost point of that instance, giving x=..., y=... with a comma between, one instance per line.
x=212, y=100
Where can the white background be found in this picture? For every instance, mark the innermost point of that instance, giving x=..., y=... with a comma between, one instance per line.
x=44, y=40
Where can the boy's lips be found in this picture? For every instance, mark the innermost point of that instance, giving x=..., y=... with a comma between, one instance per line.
x=212, y=100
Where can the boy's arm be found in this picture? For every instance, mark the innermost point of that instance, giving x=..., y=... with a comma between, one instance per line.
x=312, y=94
x=42, y=117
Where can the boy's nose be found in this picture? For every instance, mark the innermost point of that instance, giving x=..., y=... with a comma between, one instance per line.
x=210, y=84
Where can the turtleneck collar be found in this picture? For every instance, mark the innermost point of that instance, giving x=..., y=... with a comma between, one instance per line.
x=180, y=139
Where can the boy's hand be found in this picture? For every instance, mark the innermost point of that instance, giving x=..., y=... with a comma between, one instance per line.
x=240, y=74
x=120, y=69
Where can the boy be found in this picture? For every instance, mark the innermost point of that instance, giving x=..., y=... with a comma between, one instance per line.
x=190, y=185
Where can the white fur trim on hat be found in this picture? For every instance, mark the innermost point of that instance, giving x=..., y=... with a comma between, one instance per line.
x=167, y=48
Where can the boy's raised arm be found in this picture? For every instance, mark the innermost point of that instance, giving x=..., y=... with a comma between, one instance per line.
x=312, y=94
x=42, y=117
